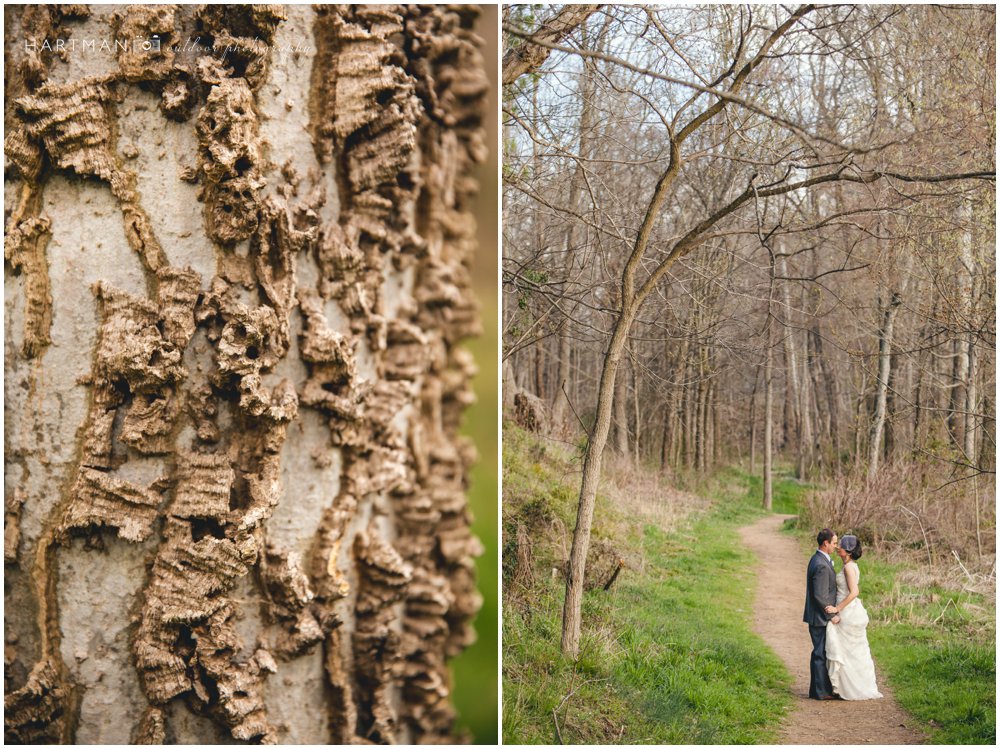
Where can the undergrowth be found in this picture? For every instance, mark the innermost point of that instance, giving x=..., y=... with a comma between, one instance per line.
x=668, y=655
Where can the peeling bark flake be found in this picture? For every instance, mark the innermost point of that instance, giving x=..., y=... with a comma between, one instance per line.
x=12, y=525
x=384, y=576
x=103, y=500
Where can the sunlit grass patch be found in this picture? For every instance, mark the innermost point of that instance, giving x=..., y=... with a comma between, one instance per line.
x=936, y=647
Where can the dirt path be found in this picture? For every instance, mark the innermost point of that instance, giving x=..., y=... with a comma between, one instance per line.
x=778, y=619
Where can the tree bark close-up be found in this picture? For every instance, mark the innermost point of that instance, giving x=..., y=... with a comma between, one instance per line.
x=237, y=244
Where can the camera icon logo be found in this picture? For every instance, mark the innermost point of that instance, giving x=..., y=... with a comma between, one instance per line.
x=150, y=45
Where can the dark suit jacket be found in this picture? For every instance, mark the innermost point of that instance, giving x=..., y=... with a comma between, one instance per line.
x=821, y=590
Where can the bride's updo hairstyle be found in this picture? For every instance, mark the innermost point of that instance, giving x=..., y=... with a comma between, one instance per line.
x=852, y=546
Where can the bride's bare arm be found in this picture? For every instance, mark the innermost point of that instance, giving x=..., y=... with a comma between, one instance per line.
x=851, y=574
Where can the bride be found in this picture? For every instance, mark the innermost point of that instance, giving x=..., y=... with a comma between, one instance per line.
x=848, y=658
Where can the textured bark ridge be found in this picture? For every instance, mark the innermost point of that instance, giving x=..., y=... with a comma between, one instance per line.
x=24, y=250
x=288, y=591
x=36, y=713
x=73, y=126
x=12, y=525
x=402, y=156
x=353, y=315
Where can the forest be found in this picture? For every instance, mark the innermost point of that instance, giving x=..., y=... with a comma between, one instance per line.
x=753, y=237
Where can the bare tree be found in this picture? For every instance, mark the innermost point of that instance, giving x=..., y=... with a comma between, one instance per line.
x=882, y=389
x=529, y=54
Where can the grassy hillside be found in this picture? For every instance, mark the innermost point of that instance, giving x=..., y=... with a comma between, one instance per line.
x=667, y=655
x=937, y=648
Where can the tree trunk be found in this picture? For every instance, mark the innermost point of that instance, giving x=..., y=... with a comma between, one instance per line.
x=768, y=498
x=621, y=414
x=882, y=387
x=691, y=384
x=768, y=419
x=862, y=422
x=753, y=421
x=570, y=641
x=959, y=420
x=234, y=426
x=573, y=232
x=957, y=397
x=806, y=439
x=830, y=390
x=918, y=409
x=822, y=411
x=538, y=369
x=987, y=453
x=538, y=350
x=677, y=404
x=665, y=439
x=635, y=412
x=794, y=414
x=716, y=442
x=700, y=412
x=889, y=443
x=971, y=404
x=969, y=293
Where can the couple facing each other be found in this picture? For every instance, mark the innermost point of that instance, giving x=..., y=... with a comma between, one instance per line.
x=841, y=666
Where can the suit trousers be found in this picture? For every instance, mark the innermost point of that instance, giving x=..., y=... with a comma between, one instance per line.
x=819, y=677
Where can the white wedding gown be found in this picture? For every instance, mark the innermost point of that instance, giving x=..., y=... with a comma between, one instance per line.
x=848, y=658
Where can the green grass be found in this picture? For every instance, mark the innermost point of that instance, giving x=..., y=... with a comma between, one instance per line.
x=934, y=646
x=786, y=491
x=667, y=656
x=937, y=649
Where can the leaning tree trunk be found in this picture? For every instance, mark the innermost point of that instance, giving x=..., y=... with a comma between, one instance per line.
x=593, y=457
x=236, y=280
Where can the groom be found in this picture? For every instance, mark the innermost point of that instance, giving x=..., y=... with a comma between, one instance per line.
x=821, y=591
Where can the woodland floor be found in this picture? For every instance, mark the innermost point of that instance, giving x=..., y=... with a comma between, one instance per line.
x=778, y=620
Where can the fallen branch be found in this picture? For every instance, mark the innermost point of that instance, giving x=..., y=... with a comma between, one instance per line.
x=614, y=575
x=962, y=566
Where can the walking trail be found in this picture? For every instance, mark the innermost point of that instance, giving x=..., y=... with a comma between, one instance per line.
x=779, y=599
